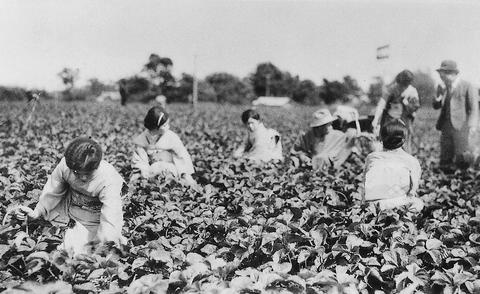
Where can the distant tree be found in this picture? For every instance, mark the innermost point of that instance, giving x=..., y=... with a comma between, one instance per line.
x=95, y=87
x=184, y=91
x=376, y=90
x=155, y=79
x=305, y=92
x=340, y=91
x=352, y=88
x=269, y=80
x=229, y=88
x=425, y=85
x=332, y=91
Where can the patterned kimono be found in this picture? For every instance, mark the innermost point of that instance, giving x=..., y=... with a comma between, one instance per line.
x=95, y=205
x=167, y=155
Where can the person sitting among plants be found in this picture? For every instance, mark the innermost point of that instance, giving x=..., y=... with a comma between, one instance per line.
x=83, y=188
x=261, y=144
x=160, y=151
x=326, y=147
x=392, y=176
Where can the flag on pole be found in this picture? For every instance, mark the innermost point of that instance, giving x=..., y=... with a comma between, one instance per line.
x=383, y=52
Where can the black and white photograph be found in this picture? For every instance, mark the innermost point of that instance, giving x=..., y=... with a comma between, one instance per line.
x=239, y=146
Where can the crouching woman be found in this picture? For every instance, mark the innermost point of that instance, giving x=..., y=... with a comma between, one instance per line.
x=83, y=188
x=392, y=176
x=160, y=151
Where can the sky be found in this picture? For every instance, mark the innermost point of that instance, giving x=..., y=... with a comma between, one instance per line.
x=112, y=39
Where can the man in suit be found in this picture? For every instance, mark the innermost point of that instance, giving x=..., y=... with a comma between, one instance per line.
x=458, y=120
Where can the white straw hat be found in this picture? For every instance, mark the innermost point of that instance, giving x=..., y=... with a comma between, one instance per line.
x=321, y=117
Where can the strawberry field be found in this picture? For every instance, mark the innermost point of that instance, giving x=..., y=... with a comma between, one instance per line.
x=271, y=228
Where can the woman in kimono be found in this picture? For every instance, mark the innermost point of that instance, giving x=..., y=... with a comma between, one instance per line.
x=160, y=151
x=86, y=189
x=261, y=144
x=391, y=176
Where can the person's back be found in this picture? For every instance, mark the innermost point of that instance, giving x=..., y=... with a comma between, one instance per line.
x=391, y=177
x=390, y=174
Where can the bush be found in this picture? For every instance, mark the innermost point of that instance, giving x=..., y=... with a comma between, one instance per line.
x=20, y=94
x=229, y=88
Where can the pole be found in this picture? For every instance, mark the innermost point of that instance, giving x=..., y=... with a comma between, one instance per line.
x=267, y=84
x=195, y=82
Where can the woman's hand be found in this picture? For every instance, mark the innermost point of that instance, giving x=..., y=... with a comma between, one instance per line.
x=22, y=212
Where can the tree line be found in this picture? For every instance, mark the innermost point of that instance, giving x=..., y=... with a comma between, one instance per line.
x=267, y=79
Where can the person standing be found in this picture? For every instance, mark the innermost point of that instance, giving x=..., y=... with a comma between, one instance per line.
x=458, y=120
x=400, y=102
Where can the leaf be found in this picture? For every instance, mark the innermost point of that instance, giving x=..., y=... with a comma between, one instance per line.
x=303, y=256
x=193, y=258
x=139, y=262
x=161, y=255
x=461, y=278
x=433, y=244
x=388, y=267
x=317, y=237
x=353, y=241
x=96, y=274
x=282, y=267
x=457, y=252
x=240, y=283
x=40, y=255
x=19, y=237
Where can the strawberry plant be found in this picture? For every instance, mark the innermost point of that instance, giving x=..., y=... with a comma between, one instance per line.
x=249, y=228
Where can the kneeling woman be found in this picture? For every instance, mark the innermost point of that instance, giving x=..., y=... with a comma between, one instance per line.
x=160, y=151
x=86, y=189
x=392, y=176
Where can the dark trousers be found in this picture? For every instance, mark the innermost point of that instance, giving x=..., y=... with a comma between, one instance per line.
x=453, y=145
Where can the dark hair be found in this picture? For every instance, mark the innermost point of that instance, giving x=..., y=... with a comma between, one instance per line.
x=321, y=131
x=83, y=154
x=247, y=114
x=393, y=134
x=404, y=78
x=155, y=118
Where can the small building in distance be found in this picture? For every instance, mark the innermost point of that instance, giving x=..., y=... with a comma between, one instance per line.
x=108, y=95
x=272, y=101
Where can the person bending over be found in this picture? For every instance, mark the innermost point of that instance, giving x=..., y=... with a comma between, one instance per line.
x=85, y=188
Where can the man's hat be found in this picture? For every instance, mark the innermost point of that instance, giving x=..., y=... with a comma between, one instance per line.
x=321, y=117
x=448, y=66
